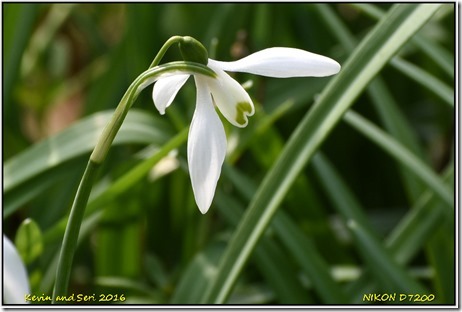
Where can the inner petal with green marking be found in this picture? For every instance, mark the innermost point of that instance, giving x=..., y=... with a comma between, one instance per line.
x=230, y=97
x=243, y=109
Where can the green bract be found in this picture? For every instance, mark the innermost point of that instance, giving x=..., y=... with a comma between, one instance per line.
x=192, y=50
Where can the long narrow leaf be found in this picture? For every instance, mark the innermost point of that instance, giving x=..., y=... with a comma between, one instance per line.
x=383, y=101
x=441, y=57
x=391, y=275
x=297, y=243
x=410, y=235
x=78, y=139
x=402, y=155
x=429, y=81
x=18, y=19
x=104, y=195
x=426, y=79
x=418, y=224
x=269, y=258
x=377, y=48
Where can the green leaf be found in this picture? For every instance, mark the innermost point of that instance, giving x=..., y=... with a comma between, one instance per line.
x=441, y=57
x=124, y=283
x=441, y=251
x=44, y=34
x=391, y=276
x=307, y=256
x=78, y=139
x=420, y=223
x=299, y=245
x=403, y=155
x=429, y=81
x=103, y=195
x=389, y=35
x=155, y=271
x=269, y=258
x=29, y=241
x=37, y=185
x=198, y=275
x=18, y=19
x=48, y=161
x=409, y=236
x=397, y=125
x=383, y=100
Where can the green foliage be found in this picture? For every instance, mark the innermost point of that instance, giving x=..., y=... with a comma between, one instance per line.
x=317, y=203
x=29, y=241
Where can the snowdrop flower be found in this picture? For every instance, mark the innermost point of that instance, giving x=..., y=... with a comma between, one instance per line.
x=207, y=139
x=16, y=284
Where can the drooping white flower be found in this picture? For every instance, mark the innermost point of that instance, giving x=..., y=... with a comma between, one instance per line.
x=15, y=282
x=207, y=139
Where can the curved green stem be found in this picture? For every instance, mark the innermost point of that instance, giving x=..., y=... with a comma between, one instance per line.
x=99, y=154
x=72, y=230
x=164, y=49
x=143, y=80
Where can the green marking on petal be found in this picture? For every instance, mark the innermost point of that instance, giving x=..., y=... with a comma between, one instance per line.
x=242, y=110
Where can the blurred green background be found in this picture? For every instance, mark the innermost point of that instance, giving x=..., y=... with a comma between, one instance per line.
x=68, y=65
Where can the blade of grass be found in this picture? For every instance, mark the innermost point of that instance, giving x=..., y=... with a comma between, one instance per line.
x=391, y=275
x=29, y=190
x=110, y=193
x=393, y=31
x=426, y=79
x=403, y=155
x=424, y=219
x=440, y=56
x=268, y=257
x=98, y=201
x=441, y=252
x=383, y=101
x=18, y=21
x=409, y=236
x=419, y=224
x=43, y=35
x=197, y=275
x=298, y=244
x=398, y=126
x=77, y=140
x=429, y=81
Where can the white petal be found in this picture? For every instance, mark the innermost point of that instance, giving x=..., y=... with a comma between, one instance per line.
x=230, y=97
x=283, y=63
x=15, y=281
x=165, y=90
x=206, y=147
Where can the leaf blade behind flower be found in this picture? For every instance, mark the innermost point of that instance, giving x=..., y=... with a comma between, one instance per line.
x=368, y=59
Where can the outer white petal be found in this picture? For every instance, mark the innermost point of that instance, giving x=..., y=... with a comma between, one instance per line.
x=15, y=281
x=206, y=147
x=165, y=90
x=230, y=97
x=283, y=63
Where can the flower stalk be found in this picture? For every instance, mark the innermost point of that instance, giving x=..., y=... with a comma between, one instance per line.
x=101, y=150
x=72, y=230
x=141, y=82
